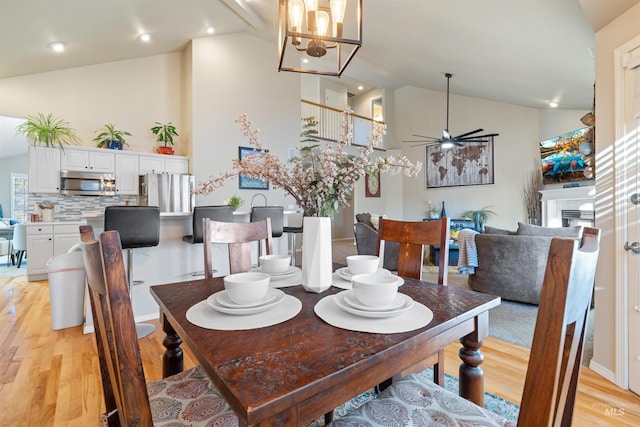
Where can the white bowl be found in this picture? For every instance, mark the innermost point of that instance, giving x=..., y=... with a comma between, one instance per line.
x=375, y=290
x=247, y=288
x=362, y=264
x=275, y=264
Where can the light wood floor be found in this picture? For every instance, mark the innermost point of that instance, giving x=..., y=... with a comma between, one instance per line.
x=51, y=378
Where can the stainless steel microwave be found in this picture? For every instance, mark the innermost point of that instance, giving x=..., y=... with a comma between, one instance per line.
x=87, y=183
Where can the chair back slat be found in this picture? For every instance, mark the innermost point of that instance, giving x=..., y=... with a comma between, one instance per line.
x=412, y=237
x=118, y=350
x=556, y=352
x=239, y=236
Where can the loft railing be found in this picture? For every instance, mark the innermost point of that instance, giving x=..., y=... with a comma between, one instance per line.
x=329, y=122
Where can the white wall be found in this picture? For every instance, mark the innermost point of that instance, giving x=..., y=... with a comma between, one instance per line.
x=235, y=74
x=131, y=94
x=516, y=152
x=606, y=336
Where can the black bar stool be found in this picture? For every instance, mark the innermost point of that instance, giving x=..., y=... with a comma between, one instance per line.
x=293, y=230
x=276, y=213
x=222, y=213
x=139, y=227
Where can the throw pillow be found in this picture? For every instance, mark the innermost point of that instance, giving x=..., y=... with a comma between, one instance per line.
x=536, y=230
x=375, y=220
x=364, y=218
x=493, y=230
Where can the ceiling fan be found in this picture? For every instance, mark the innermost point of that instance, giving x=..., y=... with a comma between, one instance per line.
x=447, y=140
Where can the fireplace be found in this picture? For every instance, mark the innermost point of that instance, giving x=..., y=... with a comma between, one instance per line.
x=567, y=207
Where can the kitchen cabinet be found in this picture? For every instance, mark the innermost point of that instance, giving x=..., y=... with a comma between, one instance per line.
x=163, y=164
x=126, y=174
x=48, y=239
x=78, y=159
x=44, y=170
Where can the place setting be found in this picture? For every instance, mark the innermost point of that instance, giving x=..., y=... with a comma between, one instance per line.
x=358, y=264
x=247, y=302
x=278, y=267
x=374, y=305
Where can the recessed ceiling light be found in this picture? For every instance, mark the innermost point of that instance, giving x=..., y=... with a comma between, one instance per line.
x=305, y=60
x=210, y=29
x=360, y=87
x=145, y=37
x=553, y=104
x=57, y=46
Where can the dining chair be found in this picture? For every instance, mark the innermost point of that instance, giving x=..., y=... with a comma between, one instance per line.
x=549, y=394
x=239, y=236
x=129, y=399
x=19, y=242
x=412, y=236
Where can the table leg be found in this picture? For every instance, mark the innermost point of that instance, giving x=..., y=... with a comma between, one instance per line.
x=172, y=360
x=471, y=375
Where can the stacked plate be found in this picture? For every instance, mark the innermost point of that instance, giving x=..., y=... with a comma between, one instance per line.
x=221, y=302
x=276, y=277
x=348, y=302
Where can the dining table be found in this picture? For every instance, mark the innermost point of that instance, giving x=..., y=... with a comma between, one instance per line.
x=295, y=371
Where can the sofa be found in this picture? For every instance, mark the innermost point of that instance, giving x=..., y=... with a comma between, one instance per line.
x=511, y=264
x=365, y=231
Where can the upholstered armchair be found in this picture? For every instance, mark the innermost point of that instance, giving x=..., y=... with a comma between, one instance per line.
x=366, y=234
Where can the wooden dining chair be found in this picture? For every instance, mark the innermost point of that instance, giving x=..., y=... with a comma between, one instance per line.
x=188, y=398
x=412, y=236
x=239, y=236
x=555, y=359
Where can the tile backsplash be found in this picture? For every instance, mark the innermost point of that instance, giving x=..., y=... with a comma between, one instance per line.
x=71, y=207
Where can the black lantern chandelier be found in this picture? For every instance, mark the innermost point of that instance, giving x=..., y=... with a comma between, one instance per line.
x=324, y=35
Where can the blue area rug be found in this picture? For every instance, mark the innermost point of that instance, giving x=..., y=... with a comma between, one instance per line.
x=492, y=402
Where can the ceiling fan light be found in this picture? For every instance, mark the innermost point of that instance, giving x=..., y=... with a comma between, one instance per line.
x=446, y=145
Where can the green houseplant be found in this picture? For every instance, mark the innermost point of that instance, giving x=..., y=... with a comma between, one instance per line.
x=479, y=217
x=110, y=137
x=164, y=134
x=234, y=201
x=48, y=130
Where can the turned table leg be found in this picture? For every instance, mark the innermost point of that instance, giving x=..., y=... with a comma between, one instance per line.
x=471, y=375
x=172, y=360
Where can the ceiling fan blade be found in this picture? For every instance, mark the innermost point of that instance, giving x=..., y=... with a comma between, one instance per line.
x=423, y=136
x=464, y=141
x=427, y=144
x=479, y=136
x=469, y=133
x=408, y=140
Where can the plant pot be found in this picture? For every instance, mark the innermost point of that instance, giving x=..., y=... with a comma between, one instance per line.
x=165, y=150
x=113, y=145
x=316, y=254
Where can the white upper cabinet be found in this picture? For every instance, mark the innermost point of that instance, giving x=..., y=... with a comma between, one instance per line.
x=78, y=159
x=163, y=164
x=44, y=169
x=126, y=173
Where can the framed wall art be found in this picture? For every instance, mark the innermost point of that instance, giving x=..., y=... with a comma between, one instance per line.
x=470, y=164
x=245, y=182
x=372, y=184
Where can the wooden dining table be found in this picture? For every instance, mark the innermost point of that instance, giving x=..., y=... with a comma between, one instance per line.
x=292, y=373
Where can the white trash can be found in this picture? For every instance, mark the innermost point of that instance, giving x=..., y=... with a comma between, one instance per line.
x=66, y=289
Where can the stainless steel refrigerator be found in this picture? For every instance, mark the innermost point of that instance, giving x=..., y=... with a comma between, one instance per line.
x=170, y=192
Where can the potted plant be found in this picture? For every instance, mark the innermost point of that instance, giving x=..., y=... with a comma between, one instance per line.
x=479, y=217
x=110, y=137
x=48, y=130
x=234, y=201
x=164, y=134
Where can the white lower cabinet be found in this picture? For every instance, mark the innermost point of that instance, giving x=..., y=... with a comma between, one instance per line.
x=48, y=239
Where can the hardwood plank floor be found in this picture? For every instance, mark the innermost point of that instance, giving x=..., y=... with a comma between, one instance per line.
x=51, y=378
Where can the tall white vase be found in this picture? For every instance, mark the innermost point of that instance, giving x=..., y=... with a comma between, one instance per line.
x=316, y=254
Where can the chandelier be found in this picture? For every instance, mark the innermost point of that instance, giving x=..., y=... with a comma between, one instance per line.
x=322, y=35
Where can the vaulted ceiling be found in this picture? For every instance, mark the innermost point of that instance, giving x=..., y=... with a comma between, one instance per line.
x=521, y=52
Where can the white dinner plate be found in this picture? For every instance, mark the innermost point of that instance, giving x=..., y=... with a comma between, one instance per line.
x=213, y=303
x=351, y=299
x=346, y=274
x=339, y=301
x=277, y=276
x=222, y=298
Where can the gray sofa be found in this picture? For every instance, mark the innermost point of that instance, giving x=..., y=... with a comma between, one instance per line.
x=366, y=235
x=511, y=264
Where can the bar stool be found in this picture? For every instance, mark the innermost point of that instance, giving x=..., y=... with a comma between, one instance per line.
x=276, y=213
x=139, y=227
x=293, y=228
x=222, y=213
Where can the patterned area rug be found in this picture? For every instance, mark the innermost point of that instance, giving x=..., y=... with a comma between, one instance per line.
x=493, y=403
